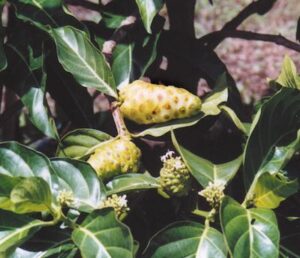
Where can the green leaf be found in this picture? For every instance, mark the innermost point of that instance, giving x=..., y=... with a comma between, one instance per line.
x=131, y=182
x=77, y=53
x=43, y=3
x=271, y=189
x=16, y=229
x=249, y=232
x=111, y=20
x=205, y=171
x=273, y=130
x=187, y=239
x=102, y=235
x=288, y=76
x=144, y=54
x=81, y=142
x=62, y=251
x=122, y=64
x=234, y=118
x=209, y=107
x=19, y=161
x=30, y=86
x=6, y=186
x=81, y=180
x=31, y=195
x=148, y=9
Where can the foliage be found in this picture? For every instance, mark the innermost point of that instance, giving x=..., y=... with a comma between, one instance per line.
x=185, y=196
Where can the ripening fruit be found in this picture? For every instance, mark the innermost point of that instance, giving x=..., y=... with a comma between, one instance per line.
x=146, y=103
x=115, y=157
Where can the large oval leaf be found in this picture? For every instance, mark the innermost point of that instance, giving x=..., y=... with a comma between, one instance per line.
x=102, y=235
x=31, y=195
x=204, y=170
x=148, y=9
x=20, y=161
x=131, y=182
x=81, y=180
x=249, y=232
x=83, y=60
x=15, y=229
x=278, y=118
x=80, y=142
x=187, y=239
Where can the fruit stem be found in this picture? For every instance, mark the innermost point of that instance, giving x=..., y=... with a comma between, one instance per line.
x=118, y=119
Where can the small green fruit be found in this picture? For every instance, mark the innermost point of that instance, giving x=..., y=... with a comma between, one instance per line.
x=116, y=157
x=146, y=103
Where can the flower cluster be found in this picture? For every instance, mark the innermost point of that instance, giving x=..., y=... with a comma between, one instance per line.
x=119, y=203
x=175, y=177
x=214, y=193
x=65, y=198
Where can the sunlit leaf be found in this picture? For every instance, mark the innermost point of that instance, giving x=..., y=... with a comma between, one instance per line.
x=131, y=182
x=77, y=53
x=148, y=9
x=271, y=189
x=187, y=239
x=102, y=235
x=249, y=232
x=15, y=229
x=81, y=180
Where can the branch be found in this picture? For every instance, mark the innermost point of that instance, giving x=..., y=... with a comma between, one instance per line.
x=260, y=7
x=277, y=39
x=119, y=120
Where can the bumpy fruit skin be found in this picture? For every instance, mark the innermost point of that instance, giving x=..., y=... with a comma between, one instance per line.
x=146, y=103
x=116, y=157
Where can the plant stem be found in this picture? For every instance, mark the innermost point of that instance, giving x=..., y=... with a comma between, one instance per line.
x=119, y=120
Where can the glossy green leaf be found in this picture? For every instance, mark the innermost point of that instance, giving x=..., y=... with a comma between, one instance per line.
x=81, y=142
x=31, y=195
x=211, y=107
x=77, y=53
x=122, y=64
x=15, y=229
x=274, y=127
x=131, y=182
x=102, y=235
x=205, y=171
x=148, y=9
x=271, y=189
x=19, y=161
x=63, y=251
x=187, y=239
x=249, y=232
x=43, y=3
x=288, y=76
x=81, y=180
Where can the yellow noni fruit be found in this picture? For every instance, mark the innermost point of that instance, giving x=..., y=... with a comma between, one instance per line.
x=115, y=157
x=146, y=103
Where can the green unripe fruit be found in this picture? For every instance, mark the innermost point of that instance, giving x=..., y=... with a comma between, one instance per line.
x=146, y=103
x=175, y=179
x=116, y=157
